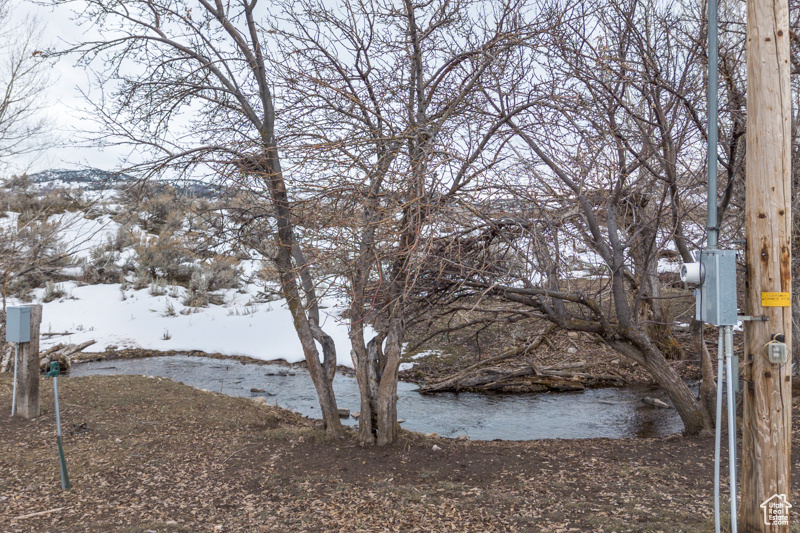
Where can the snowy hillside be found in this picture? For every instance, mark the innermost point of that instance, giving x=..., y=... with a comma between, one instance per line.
x=130, y=318
x=147, y=275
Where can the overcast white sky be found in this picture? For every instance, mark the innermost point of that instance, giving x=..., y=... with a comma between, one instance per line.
x=63, y=102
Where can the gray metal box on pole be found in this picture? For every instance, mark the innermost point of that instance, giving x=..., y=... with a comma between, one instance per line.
x=717, y=298
x=18, y=324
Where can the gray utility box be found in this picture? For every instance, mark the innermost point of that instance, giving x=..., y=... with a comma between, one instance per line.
x=716, y=297
x=18, y=324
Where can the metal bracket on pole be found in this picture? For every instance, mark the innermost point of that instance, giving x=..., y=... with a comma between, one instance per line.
x=749, y=318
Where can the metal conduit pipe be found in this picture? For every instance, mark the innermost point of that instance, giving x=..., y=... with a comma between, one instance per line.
x=718, y=431
x=729, y=379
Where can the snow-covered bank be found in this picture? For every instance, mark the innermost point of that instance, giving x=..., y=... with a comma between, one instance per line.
x=141, y=320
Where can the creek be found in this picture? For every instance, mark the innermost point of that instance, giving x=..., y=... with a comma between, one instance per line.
x=607, y=412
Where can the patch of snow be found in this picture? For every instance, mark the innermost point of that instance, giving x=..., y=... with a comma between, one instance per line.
x=72, y=272
x=9, y=221
x=669, y=265
x=140, y=320
x=426, y=353
x=81, y=234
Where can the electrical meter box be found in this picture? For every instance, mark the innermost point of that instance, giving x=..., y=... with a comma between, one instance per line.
x=716, y=297
x=18, y=324
x=777, y=354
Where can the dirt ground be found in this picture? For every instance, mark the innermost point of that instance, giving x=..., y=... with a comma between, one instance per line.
x=155, y=455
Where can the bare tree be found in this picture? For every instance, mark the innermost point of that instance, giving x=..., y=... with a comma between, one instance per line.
x=23, y=81
x=187, y=84
x=392, y=126
x=611, y=162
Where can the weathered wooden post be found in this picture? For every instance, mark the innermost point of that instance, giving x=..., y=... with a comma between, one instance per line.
x=27, y=399
x=766, y=426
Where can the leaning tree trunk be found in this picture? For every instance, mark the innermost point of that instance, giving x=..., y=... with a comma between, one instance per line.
x=287, y=249
x=639, y=348
x=634, y=342
x=320, y=376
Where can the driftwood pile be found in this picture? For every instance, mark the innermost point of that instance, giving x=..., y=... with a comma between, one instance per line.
x=63, y=353
x=486, y=376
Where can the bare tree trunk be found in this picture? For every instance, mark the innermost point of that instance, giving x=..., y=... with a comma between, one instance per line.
x=304, y=314
x=388, y=428
x=641, y=350
x=370, y=363
x=707, y=383
x=368, y=357
x=323, y=381
x=361, y=363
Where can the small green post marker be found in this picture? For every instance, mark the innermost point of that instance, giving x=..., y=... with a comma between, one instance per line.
x=55, y=370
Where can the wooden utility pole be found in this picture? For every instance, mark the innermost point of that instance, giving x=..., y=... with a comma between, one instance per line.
x=766, y=428
x=29, y=371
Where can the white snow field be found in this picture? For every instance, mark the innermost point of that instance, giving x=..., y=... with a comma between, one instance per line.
x=261, y=331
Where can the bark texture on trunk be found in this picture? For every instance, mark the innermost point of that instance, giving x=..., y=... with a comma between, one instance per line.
x=29, y=375
x=708, y=385
x=291, y=266
x=388, y=428
x=640, y=349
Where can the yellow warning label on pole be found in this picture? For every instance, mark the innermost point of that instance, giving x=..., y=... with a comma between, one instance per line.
x=776, y=299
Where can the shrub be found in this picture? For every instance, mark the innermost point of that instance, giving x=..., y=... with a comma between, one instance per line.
x=19, y=197
x=166, y=256
x=158, y=287
x=53, y=291
x=197, y=295
x=222, y=273
x=30, y=256
x=159, y=207
x=102, y=266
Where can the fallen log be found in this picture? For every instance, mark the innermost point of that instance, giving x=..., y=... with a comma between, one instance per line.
x=448, y=383
x=476, y=378
x=564, y=366
x=655, y=402
x=50, y=350
x=493, y=375
x=508, y=379
x=583, y=376
x=62, y=354
x=511, y=380
x=533, y=384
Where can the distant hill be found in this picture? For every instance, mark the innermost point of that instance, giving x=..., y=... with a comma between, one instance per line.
x=97, y=179
x=90, y=178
